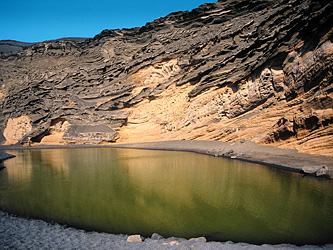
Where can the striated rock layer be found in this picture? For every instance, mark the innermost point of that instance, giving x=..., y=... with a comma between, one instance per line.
x=259, y=70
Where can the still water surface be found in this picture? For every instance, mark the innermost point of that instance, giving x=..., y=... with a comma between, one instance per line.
x=171, y=193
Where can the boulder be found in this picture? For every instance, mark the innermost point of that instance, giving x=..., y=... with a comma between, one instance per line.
x=323, y=171
x=310, y=169
x=156, y=236
x=134, y=238
x=199, y=239
x=316, y=170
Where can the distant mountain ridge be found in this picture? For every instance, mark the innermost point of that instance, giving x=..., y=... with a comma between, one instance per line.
x=259, y=70
x=12, y=46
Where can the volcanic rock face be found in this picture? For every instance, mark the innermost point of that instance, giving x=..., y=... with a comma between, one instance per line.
x=259, y=70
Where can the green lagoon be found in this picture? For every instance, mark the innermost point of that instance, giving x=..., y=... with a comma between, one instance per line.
x=171, y=193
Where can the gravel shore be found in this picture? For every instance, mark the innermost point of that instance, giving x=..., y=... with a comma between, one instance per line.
x=22, y=233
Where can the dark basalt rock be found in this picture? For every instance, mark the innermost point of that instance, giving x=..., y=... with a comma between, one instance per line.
x=4, y=156
x=216, y=45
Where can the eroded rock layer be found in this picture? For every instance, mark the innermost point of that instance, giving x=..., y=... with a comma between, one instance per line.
x=259, y=70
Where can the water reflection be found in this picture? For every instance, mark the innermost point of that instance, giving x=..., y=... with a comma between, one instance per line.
x=21, y=167
x=171, y=193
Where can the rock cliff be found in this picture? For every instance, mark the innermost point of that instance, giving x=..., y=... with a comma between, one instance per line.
x=258, y=70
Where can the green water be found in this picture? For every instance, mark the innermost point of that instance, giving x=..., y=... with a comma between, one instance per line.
x=171, y=193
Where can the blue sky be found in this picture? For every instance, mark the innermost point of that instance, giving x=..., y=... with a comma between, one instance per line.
x=39, y=20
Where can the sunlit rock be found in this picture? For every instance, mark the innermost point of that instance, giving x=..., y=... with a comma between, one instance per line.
x=134, y=238
x=199, y=239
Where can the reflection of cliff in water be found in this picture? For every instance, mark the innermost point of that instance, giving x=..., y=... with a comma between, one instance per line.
x=21, y=167
x=210, y=191
x=171, y=193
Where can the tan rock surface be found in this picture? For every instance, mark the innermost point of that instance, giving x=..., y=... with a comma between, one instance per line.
x=229, y=114
x=16, y=128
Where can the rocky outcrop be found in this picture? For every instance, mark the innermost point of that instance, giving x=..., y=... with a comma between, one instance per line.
x=89, y=134
x=318, y=171
x=259, y=70
x=4, y=156
x=17, y=128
